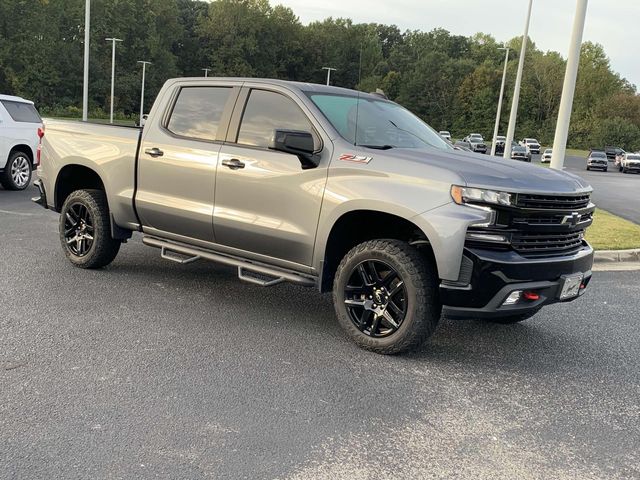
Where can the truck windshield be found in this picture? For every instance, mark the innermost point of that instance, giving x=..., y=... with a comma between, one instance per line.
x=376, y=123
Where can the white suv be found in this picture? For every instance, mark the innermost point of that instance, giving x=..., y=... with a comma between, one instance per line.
x=20, y=128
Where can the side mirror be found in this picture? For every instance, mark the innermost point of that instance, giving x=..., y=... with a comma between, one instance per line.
x=296, y=142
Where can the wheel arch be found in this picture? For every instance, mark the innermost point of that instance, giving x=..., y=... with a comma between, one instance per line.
x=74, y=177
x=360, y=225
x=23, y=148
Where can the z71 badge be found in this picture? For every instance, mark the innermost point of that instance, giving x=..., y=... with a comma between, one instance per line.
x=348, y=157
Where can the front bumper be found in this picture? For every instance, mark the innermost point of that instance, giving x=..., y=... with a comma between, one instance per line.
x=495, y=274
x=632, y=167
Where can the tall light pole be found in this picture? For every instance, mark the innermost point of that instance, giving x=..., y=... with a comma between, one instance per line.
x=85, y=84
x=569, y=87
x=144, y=71
x=206, y=71
x=329, y=70
x=516, y=91
x=504, y=77
x=113, y=71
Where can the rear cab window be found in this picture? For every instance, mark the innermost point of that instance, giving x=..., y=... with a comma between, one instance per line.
x=22, y=112
x=197, y=112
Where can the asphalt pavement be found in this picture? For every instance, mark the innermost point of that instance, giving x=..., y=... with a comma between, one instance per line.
x=149, y=369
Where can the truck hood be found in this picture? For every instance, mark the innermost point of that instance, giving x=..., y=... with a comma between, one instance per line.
x=494, y=172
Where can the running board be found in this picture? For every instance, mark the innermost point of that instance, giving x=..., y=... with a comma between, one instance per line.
x=247, y=271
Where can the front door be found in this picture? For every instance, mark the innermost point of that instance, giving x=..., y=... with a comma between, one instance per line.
x=265, y=202
x=177, y=162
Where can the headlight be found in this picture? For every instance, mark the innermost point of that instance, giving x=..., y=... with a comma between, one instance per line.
x=463, y=195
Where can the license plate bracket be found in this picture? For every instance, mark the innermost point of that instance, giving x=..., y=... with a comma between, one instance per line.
x=571, y=286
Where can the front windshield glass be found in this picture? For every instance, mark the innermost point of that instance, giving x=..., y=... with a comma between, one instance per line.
x=598, y=155
x=633, y=157
x=376, y=123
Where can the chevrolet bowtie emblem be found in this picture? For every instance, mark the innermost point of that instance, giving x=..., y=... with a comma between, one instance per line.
x=572, y=219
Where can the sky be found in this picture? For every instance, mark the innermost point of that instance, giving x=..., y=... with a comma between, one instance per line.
x=613, y=23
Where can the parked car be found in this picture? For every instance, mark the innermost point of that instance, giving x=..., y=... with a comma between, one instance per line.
x=612, y=152
x=310, y=184
x=597, y=159
x=630, y=163
x=444, y=134
x=531, y=144
x=20, y=124
x=546, y=156
x=476, y=143
x=518, y=152
x=500, y=143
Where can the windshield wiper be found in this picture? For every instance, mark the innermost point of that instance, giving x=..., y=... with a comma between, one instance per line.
x=377, y=147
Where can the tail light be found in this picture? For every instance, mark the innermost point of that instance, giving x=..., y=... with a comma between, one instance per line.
x=39, y=149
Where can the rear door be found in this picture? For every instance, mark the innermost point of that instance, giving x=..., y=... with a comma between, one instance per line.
x=266, y=203
x=178, y=158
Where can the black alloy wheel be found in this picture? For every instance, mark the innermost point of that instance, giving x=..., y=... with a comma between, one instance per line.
x=78, y=229
x=376, y=298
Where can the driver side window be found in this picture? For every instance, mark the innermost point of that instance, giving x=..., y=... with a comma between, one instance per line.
x=266, y=111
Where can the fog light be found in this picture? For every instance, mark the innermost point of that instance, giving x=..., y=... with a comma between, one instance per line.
x=513, y=298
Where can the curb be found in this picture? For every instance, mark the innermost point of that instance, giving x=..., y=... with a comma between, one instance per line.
x=609, y=256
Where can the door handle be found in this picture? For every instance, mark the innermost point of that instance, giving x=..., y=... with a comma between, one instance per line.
x=233, y=163
x=154, y=152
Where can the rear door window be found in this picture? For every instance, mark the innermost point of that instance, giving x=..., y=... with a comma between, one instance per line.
x=22, y=112
x=197, y=112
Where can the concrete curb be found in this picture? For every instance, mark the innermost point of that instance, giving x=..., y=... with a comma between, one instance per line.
x=609, y=256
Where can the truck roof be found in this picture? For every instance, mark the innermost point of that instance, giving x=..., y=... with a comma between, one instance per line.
x=14, y=99
x=302, y=86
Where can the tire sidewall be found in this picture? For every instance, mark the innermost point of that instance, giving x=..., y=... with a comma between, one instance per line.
x=399, y=337
x=83, y=198
x=7, y=169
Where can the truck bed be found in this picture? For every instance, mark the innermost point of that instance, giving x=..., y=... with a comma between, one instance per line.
x=109, y=150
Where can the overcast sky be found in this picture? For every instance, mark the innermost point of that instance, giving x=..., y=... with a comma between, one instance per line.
x=613, y=23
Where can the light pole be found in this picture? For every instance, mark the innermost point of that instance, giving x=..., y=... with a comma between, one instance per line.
x=504, y=77
x=206, y=71
x=85, y=83
x=329, y=70
x=516, y=91
x=113, y=71
x=144, y=70
x=569, y=87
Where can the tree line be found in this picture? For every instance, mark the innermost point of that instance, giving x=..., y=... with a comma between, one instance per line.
x=450, y=81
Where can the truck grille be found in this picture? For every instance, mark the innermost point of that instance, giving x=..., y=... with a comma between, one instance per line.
x=553, y=202
x=547, y=245
x=546, y=219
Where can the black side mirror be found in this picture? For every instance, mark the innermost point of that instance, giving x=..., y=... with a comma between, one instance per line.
x=298, y=143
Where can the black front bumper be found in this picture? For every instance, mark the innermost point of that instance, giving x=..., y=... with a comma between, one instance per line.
x=495, y=274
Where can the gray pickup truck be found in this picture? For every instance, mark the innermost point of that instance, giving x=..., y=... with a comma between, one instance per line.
x=328, y=188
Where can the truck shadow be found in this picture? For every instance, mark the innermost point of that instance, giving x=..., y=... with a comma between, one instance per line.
x=539, y=344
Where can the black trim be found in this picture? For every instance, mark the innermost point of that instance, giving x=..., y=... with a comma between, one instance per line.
x=496, y=274
x=42, y=199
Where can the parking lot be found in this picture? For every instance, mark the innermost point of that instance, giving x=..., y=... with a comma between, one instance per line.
x=149, y=368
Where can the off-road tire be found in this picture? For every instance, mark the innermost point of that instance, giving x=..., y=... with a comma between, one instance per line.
x=104, y=248
x=423, y=307
x=6, y=178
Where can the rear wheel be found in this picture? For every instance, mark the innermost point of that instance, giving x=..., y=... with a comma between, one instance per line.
x=85, y=230
x=17, y=172
x=385, y=294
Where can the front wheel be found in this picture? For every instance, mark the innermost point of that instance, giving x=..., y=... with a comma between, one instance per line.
x=85, y=230
x=17, y=172
x=385, y=294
